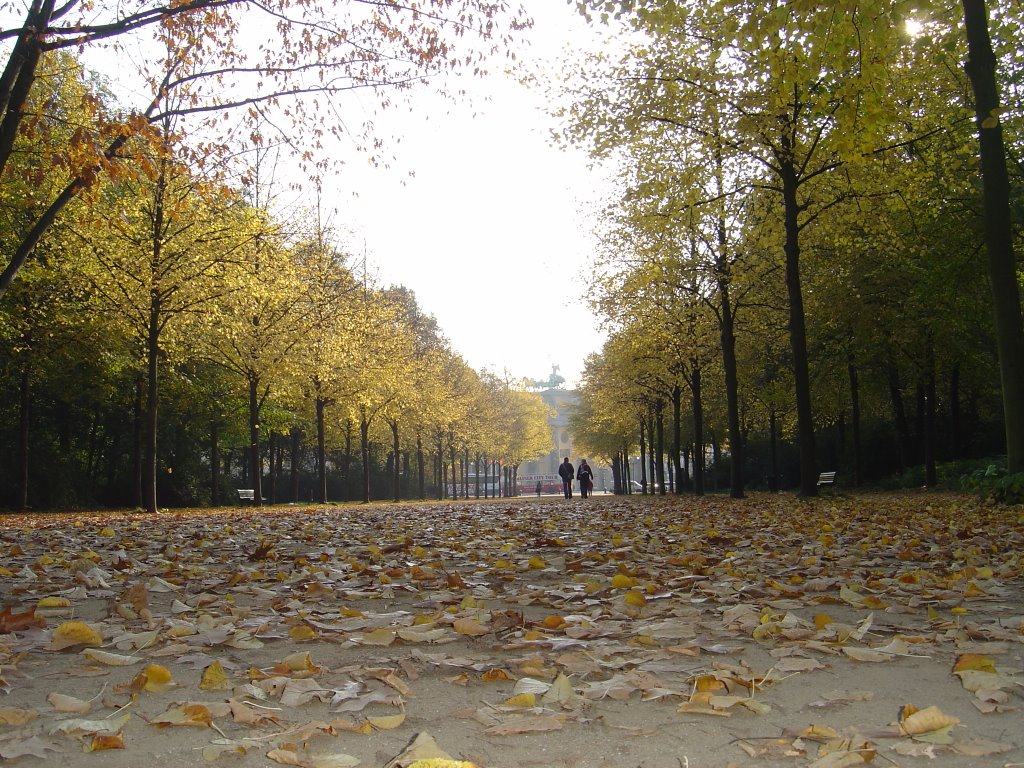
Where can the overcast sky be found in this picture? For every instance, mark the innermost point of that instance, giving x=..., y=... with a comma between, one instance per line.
x=491, y=233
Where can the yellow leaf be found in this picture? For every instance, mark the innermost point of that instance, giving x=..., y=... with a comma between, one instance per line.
x=156, y=678
x=387, y=722
x=214, y=678
x=974, y=661
x=926, y=721
x=300, y=661
x=622, y=581
x=522, y=700
x=635, y=598
x=494, y=675
x=72, y=633
x=553, y=621
x=54, y=602
x=817, y=732
x=822, y=620
x=185, y=714
x=536, y=563
x=302, y=632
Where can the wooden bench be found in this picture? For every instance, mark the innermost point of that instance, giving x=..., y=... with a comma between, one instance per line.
x=826, y=479
x=248, y=494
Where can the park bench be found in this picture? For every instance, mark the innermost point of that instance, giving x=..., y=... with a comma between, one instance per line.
x=826, y=479
x=248, y=494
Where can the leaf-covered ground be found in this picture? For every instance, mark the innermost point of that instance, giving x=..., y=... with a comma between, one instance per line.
x=877, y=629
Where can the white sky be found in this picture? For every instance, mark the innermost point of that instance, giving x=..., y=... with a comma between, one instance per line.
x=491, y=232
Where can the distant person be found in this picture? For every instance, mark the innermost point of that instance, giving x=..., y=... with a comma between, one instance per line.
x=540, y=486
x=567, y=473
x=585, y=475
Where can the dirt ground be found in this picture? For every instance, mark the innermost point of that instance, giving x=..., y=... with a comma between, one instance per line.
x=611, y=632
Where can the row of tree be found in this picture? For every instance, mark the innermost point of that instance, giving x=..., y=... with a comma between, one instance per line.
x=180, y=333
x=798, y=255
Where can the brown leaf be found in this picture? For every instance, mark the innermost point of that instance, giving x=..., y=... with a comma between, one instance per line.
x=19, y=622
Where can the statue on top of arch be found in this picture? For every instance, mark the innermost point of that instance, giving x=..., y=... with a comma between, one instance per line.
x=554, y=381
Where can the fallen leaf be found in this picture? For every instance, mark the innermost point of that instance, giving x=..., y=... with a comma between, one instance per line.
x=109, y=659
x=33, y=746
x=64, y=703
x=16, y=716
x=73, y=633
x=470, y=627
x=109, y=727
x=101, y=743
x=527, y=724
x=197, y=715
x=214, y=678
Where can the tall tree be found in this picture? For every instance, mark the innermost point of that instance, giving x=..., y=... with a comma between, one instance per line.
x=210, y=57
x=1002, y=260
x=160, y=258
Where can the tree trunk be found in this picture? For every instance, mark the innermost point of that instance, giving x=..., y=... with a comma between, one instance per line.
x=798, y=333
x=364, y=449
x=274, y=454
x=294, y=463
x=255, y=462
x=954, y=412
x=214, y=463
x=420, y=467
x=728, y=341
x=652, y=459
x=321, y=452
x=899, y=415
x=152, y=399
x=396, y=448
x=24, y=403
x=137, y=450
x=677, y=439
x=659, y=426
x=643, y=458
x=698, y=431
x=930, y=474
x=1002, y=261
x=773, y=439
x=851, y=368
x=452, y=458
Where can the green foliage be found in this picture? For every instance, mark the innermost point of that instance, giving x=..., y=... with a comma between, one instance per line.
x=993, y=483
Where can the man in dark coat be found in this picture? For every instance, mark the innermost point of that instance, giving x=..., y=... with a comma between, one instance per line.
x=567, y=473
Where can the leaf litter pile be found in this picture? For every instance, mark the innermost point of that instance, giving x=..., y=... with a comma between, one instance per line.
x=873, y=630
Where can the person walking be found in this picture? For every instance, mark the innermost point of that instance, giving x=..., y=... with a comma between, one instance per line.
x=567, y=473
x=586, y=478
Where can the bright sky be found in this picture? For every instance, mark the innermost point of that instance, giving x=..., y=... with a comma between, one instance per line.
x=491, y=233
